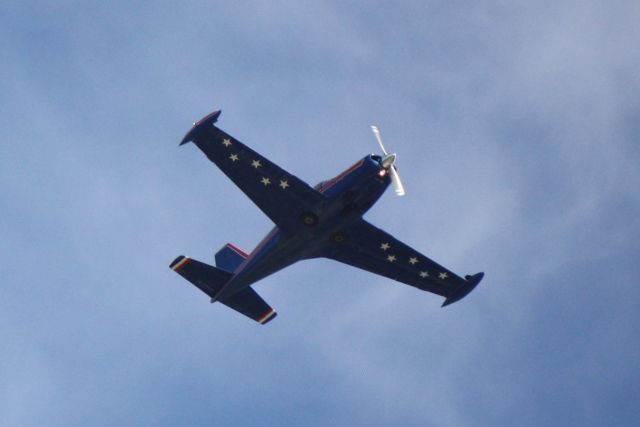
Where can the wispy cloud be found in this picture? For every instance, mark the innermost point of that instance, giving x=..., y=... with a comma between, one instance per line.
x=516, y=128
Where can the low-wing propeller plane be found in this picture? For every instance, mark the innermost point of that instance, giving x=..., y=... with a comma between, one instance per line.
x=323, y=221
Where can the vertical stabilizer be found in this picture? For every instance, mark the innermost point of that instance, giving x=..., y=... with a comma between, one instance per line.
x=230, y=257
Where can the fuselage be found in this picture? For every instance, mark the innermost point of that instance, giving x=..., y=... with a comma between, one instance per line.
x=347, y=197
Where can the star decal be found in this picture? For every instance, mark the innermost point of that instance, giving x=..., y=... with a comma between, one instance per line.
x=443, y=275
x=256, y=164
x=284, y=184
x=391, y=258
x=413, y=260
x=266, y=181
x=226, y=142
x=234, y=157
x=385, y=246
x=424, y=274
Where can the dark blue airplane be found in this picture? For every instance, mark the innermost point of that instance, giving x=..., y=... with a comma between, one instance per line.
x=323, y=221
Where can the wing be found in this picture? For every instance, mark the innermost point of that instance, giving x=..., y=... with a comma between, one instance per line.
x=283, y=197
x=369, y=248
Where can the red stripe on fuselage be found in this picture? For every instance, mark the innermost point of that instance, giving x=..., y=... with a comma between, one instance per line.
x=335, y=180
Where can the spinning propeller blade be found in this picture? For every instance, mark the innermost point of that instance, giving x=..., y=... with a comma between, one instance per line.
x=395, y=178
x=397, y=183
x=376, y=132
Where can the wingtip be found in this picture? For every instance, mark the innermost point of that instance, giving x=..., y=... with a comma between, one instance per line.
x=463, y=290
x=179, y=262
x=267, y=317
x=201, y=125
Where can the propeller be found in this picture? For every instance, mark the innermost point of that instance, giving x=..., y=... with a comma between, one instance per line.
x=387, y=162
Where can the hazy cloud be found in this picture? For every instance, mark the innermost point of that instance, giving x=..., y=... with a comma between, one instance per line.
x=516, y=130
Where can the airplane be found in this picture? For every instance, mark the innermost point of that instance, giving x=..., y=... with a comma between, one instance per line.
x=310, y=222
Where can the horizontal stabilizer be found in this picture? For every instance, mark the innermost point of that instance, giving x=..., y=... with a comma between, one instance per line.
x=463, y=289
x=207, y=278
x=210, y=280
x=249, y=303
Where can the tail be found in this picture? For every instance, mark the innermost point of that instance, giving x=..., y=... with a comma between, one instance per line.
x=210, y=280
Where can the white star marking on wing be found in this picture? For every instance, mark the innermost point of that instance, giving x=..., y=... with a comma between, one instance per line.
x=234, y=157
x=413, y=260
x=284, y=184
x=226, y=142
x=391, y=258
x=385, y=246
x=424, y=274
x=266, y=181
x=256, y=164
x=443, y=275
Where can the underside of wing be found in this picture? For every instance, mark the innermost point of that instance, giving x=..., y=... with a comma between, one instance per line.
x=369, y=248
x=283, y=197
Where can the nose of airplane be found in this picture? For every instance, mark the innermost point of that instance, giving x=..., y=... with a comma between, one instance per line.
x=388, y=160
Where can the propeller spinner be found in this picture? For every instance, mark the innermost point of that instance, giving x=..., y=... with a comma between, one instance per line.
x=387, y=162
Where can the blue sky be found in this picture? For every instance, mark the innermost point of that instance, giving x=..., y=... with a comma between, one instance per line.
x=516, y=128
